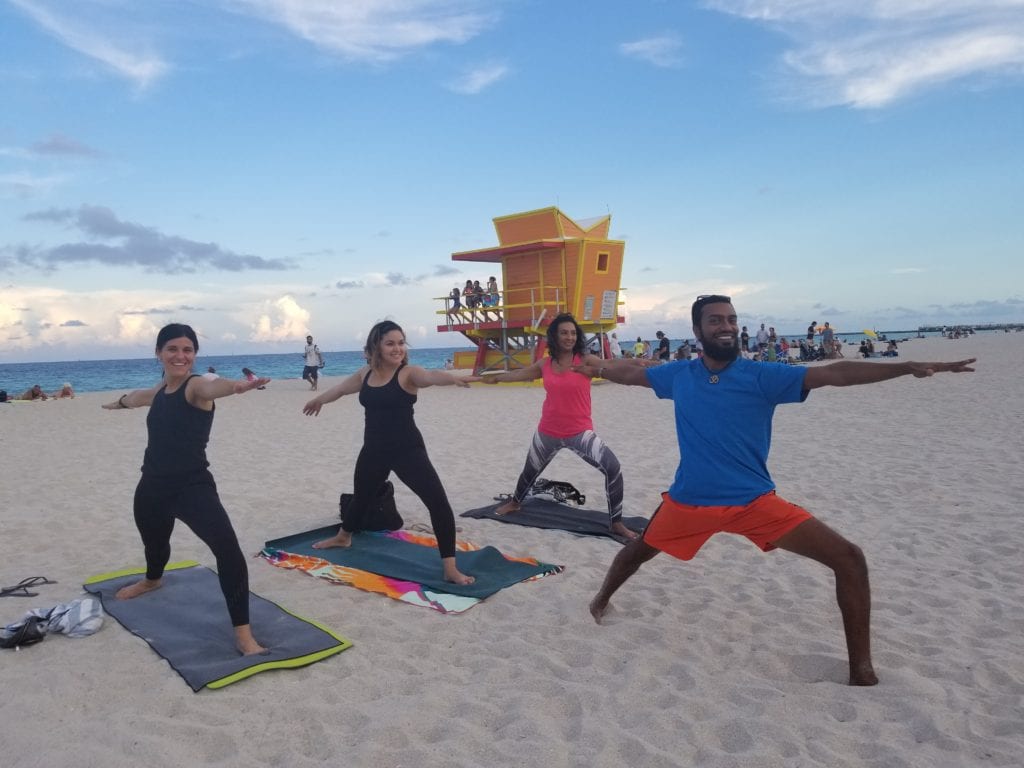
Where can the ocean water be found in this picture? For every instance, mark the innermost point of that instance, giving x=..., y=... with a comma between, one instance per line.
x=106, y=375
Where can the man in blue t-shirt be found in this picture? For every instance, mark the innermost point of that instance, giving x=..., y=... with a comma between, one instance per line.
x=724, y=405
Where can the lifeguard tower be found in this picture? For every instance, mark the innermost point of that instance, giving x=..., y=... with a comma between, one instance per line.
x=549, y=264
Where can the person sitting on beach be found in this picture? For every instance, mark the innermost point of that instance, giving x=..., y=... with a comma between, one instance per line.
x=724, y=406
x=891, y=350
x=64, y=391
x=35, y=392
x=176, y=483
x=250, y=376
x=566, y=420
x=387, y=389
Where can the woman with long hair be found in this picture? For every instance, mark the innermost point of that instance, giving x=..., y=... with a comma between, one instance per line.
x=387, y=387
x=176, y=483
x=565, y=420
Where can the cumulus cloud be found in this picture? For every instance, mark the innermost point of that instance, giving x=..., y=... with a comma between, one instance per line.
x=478, y=79
x=869, y=54
x=663, y=51
x=348, y=284
x=281, y=319
x=115, y=242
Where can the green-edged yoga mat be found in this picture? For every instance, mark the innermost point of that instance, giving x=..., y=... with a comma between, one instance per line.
x=186, y=622
x=387, y=556
x=544, y=513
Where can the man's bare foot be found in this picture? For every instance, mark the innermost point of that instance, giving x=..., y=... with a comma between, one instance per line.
x=597, y=608
x=620, y=529
x=508, y=507
x=245, y=642
x=137, y=588
x=863, y=674
x=341, y=539
x=453, y=574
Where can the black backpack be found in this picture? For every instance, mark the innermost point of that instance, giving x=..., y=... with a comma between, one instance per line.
x=384, y=515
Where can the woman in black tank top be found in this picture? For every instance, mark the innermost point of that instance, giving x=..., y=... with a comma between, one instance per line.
x=176, y=484
x=387, y=390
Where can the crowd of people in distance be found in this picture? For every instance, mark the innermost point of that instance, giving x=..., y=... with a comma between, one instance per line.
x=35, y=392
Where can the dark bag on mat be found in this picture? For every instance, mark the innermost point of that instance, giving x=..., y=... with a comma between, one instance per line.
x=384, y=515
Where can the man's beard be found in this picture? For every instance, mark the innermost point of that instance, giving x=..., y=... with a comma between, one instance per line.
x=720, y=352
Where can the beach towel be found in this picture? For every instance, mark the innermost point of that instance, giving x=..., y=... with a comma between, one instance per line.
x=544, y=513
x=405, y=566
x=186, y=622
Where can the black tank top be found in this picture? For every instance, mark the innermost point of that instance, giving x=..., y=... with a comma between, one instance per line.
x=389, y=414
x=178, y=433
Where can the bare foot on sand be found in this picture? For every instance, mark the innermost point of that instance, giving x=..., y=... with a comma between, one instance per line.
x=863, y=674
x=137, y=588
x=620, y=529
x=508, y=507
x=245, y=642
x=453, y=574
x=341, y=539
x=597, y=609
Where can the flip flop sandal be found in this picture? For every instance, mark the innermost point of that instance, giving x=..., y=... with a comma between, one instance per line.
x=21, y=588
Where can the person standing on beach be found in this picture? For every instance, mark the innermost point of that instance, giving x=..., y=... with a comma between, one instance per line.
x=176, y=483
x=314, y=361
x=566, y=420
x=724, y=406
x=387, y=389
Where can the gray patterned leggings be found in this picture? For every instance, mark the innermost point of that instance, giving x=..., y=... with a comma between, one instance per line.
x=589, y=447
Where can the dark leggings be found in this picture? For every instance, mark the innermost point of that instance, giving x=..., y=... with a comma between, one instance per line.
x=412, y=466
x=193, y=500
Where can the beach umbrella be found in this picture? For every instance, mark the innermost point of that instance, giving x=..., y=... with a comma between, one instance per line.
x=872, y=334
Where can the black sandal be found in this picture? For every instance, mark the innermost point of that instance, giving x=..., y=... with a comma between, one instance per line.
x=21, y=588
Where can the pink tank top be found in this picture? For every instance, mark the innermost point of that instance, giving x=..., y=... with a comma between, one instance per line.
x=566, y=410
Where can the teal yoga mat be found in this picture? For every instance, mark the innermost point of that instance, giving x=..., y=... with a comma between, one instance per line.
x=186, y=622
x=387, y=556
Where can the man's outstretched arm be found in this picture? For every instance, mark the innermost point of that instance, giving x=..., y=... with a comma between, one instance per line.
x=848, y=373
x=622, y=371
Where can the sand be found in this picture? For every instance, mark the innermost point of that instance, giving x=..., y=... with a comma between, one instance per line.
x=734, y=659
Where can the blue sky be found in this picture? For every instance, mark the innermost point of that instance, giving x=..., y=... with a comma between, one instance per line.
x=262, y=169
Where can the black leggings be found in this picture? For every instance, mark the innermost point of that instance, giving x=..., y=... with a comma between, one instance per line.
x=412, y=466
x=193, y=500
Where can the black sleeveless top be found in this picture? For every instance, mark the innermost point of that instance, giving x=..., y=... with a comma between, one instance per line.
x=178, y=433
x=389, y=414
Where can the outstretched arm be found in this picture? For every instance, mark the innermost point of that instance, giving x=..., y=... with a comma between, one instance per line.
x=420, y=377
x=347, y=386
x=847, y=373
x=134, y=399
x=200, y=389
x=629, y=370
x=529, y=373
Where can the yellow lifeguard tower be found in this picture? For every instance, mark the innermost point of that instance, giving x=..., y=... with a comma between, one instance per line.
x=549, y=264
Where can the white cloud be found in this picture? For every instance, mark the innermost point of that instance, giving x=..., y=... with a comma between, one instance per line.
x=95, y=39
x=478, y=79
x=282, y=319
x=870, y=54
x=660, y=51
x=373, y=30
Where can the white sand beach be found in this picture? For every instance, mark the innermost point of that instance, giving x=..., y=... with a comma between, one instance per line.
x=735, y=659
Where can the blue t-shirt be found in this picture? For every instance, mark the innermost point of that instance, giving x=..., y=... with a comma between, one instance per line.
x=725, y=428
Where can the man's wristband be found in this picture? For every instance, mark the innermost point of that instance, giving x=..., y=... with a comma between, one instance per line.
x=120, y=401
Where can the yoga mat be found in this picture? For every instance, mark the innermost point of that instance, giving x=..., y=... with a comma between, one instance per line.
x=393, y=556
x=544, y=513
x=186, y=622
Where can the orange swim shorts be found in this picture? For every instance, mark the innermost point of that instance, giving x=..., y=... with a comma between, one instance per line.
x=681, y=529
